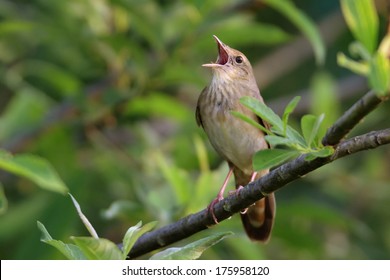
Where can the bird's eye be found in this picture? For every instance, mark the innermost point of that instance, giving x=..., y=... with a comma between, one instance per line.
x=239, y=59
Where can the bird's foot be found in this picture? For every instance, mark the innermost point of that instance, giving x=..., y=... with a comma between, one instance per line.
x=237, y=192
x=210, y=208
x=219, y=197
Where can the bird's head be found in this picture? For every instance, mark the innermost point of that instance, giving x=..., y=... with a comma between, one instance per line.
x=230, y=64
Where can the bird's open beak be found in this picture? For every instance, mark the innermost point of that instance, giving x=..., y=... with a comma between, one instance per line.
x=223, y=55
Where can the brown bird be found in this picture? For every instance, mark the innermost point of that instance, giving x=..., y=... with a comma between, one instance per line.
x=235, y=140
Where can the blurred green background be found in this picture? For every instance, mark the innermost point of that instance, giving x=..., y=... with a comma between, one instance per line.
x=106, y=91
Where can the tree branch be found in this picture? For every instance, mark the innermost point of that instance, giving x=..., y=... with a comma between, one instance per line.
x=352, y=117
x=256, y=190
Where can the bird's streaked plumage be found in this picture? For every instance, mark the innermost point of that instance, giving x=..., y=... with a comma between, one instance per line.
x=235, y=140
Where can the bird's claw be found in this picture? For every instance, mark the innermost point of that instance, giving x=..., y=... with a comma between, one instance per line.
x=210, y=208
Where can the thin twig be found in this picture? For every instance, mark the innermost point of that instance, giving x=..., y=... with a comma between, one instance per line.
x=351, y=118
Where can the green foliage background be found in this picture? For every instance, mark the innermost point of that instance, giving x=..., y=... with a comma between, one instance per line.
x=106, y=92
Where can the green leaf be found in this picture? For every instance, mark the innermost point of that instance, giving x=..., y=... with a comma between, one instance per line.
x=98, y=249
x=358, y=50
x=269, y=158
x=321, y=153
x=294, y=135
x=70, y=251
x=288, y=110
x=360, y=68
x=264, y=112
x=305, y=24
x=384, y=47
x=191, y=251
x=3, y=201
x=362, y=19
x=250, y=121
x=379, y=76
x=129, y=238
x=132, y=235
x=34, y=168
x=83, y=218
x=275, y=140
x=310, y=125
x=324, y=152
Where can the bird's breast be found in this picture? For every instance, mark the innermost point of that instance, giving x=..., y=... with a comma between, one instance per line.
x=232, y=138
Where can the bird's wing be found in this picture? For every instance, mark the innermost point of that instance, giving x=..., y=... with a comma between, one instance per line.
x=198, y=116
x=197, y=111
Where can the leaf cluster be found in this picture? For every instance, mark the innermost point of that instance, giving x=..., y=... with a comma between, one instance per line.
x=363, y=21
x=286, y=143
x=95, y=248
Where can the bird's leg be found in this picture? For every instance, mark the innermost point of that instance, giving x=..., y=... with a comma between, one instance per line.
x=253, y=177
x=219, y=195
x=241, y=187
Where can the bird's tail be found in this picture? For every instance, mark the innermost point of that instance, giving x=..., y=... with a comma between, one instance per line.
x=258, y=220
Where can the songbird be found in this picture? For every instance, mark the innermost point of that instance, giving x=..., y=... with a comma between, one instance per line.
x=235, y=140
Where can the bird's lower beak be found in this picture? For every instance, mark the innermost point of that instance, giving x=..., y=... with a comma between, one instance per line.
x=223, y=55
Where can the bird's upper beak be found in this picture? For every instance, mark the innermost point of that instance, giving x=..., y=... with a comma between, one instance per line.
x=223, y=55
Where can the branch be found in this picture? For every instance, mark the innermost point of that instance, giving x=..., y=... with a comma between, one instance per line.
x=352, y=117
x=254, y=191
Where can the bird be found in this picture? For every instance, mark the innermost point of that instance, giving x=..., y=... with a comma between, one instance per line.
x=235, y=140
